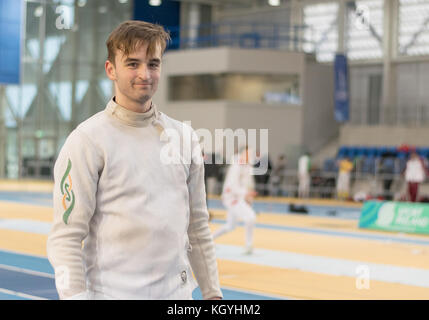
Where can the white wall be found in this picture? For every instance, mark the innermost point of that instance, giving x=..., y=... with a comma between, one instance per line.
x=285, y=122
x=222, y=59
x=279, y=15
x=413, y=92
x=319, y=125
x=359, y=91
x=383, y=135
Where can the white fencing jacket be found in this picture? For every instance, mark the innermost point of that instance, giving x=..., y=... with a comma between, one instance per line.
x=124, y=188
x=415, y=171
x=239, y=181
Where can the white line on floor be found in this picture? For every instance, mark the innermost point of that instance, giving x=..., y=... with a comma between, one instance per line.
x=324, y=265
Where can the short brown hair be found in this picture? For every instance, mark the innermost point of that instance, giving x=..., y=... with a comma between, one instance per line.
x=131, y=34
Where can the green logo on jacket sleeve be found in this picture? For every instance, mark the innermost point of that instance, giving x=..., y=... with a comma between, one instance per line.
x=67, y=192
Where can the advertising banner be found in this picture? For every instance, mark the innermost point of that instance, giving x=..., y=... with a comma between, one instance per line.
x=10, y=41
x=406, y=217
x=341, y=94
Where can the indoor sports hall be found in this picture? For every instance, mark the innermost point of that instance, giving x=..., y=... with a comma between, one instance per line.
x=325, y=100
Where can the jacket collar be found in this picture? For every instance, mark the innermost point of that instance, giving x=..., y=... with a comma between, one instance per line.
x=132, y=118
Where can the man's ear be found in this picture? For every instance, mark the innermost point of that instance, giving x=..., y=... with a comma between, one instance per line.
x=110, y=70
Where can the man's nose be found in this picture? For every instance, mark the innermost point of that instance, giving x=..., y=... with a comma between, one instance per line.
x=143, y=71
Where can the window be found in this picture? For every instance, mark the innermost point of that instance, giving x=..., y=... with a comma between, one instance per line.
x=275, y=89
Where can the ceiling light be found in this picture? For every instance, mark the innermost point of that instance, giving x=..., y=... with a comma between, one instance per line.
x=38, y=12
x=274, y=3
x=102, y=9
x=155, y=3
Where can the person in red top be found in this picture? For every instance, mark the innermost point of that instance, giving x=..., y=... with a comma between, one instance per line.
x=415, y=173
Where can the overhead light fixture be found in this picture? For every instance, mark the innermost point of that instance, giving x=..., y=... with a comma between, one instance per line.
x=123, y=1
x=274, y=3
x=155, y=3
x=102, y=9
x=38, y=12
x=81, y=3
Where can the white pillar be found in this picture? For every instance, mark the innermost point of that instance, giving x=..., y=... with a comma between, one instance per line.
x=193, y=23
x=388, y=102
x=3, y=132
x=341, y=24
x=296, y=19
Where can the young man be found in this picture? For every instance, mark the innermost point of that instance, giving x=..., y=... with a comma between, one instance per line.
x=143, y=220
x=237, y=196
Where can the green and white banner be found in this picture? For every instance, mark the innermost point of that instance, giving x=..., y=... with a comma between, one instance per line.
x=395, y=216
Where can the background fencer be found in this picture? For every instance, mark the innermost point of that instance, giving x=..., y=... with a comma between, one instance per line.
x=237, y=196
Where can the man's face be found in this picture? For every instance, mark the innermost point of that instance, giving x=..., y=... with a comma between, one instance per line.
x=135, y=76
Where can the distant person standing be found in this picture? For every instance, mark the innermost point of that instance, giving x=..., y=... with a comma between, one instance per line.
x=415, y=173
x=387, y=169
x=304, y=165
x=345, y=166
x=277, y=175
x=237, y=196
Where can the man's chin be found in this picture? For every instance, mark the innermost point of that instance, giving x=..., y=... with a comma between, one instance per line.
x=143, y=99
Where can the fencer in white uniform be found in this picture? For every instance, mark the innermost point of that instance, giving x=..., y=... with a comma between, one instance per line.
x=144, y=224
x=304, y=179
x=237, y=195
x=141, y=215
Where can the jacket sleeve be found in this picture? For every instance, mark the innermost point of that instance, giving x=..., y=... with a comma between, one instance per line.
x=202, y=255
x=76, y=174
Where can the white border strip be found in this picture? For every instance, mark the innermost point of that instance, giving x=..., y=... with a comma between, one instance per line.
x=20, y=253
x=20, y=294
x=259, y=293
x=326, y=265
x=26, y=225
x=27, y=271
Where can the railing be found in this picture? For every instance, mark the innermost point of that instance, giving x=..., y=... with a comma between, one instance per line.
x=402, y=115
x=238, y=34
x=323, y=185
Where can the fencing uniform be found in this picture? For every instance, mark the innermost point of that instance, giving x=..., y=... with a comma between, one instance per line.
x=143, y=220
x=415, y=173
x=304, y=179
x=344, y=176
x=238, y=183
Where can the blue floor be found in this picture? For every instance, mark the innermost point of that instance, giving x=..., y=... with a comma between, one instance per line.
x=357, y=235
x=24, y=261
x=28, y=283
x=4, y=296
x=45, y=199
x=234, y=295
x=44, y=287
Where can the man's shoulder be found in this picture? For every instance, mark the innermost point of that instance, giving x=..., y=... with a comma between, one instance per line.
x=92, y=123
x=87, y=129
x=176, y=124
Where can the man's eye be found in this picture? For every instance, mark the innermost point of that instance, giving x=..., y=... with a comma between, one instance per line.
x=154, y=65
x=132, y=65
